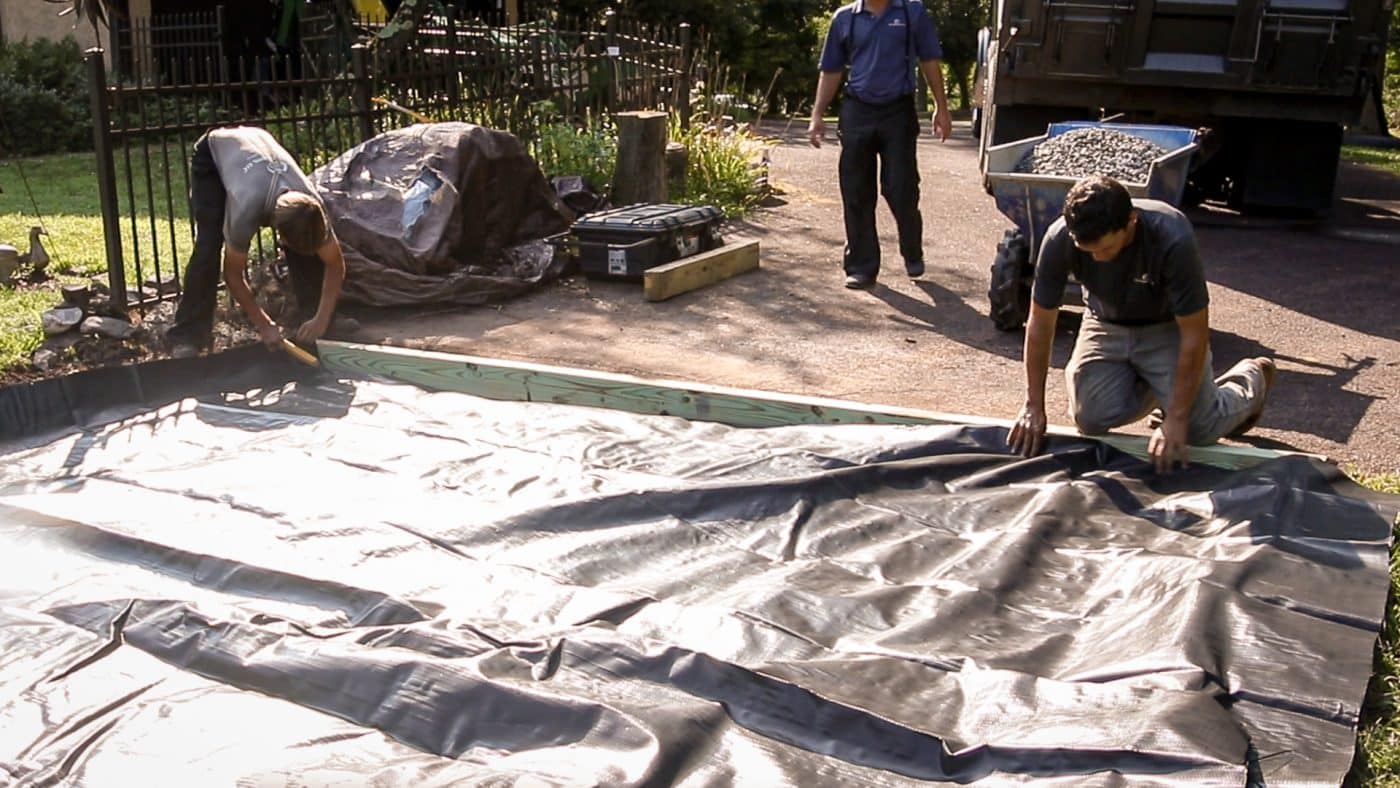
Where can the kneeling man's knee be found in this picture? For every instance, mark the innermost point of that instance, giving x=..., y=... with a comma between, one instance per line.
x=1091, y=423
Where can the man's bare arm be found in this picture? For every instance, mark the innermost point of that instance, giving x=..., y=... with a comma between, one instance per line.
x=1028, y=433
x=236, y=279
x=942, y=121
x=1167, y=446
x=827, y=85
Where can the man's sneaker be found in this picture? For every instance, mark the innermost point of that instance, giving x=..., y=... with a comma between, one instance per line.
x=860, y=281
x=183, y=349
x=915, y=268
x=1267, y=370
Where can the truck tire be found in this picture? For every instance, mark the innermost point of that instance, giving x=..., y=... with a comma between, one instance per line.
x=1010, y=291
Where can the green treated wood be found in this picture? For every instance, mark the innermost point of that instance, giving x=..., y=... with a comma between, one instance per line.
x=523, y=381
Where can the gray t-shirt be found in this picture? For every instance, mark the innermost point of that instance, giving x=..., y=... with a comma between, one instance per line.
x=255, y=169
x=1154, y=279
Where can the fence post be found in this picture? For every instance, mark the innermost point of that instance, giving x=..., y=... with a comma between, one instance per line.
x=106, y=176
x=614, y=52
x=358, y=55
x=219, y=37
x=457, y=67
x=687, y=64
x=114, y=45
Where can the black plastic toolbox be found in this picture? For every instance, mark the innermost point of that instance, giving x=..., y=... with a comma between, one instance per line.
x=625, y=242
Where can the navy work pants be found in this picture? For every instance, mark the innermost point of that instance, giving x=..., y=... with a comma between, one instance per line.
x=194, y=317
x=887, y=132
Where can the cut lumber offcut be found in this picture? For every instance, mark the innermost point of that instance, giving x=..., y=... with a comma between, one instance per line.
x=696, y=271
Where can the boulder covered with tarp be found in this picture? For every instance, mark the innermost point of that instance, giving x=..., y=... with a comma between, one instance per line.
x=442, y=212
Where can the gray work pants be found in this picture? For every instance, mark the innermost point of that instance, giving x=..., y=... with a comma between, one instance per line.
x=1117, y=374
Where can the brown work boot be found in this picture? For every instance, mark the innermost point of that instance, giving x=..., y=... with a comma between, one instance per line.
x=1267, y=370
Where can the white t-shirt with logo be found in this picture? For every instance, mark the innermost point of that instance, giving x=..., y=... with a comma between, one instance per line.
x=255, y=169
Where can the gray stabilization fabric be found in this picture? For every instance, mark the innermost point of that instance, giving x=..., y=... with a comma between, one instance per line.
x=363, y=583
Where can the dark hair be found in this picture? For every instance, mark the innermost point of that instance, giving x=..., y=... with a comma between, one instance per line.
x=1095, y=207
x=300, y=221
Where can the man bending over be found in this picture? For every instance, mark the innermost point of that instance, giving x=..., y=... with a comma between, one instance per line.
x=242, y=180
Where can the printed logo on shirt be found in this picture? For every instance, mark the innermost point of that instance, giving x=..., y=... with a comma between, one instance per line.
x=1143, y=278
x=896, y=22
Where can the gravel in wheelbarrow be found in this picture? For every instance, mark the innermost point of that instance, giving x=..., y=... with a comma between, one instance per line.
x=1093, y=151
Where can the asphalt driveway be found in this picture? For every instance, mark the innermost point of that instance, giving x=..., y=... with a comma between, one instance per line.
x=1322, y=298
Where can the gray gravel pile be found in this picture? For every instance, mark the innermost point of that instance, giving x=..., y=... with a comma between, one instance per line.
x=1082, y=152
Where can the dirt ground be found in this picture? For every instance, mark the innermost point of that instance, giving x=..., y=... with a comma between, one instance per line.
x=1321, y=299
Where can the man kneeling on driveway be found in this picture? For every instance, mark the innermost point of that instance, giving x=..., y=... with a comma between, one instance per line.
x=1145, y=338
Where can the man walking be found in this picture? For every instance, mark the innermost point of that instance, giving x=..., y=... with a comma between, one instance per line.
x=241, y=180
x=1144, y=339
x=881, y=41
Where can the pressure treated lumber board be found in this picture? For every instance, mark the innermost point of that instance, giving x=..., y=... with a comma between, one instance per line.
x=501, y=379
x=696, y=271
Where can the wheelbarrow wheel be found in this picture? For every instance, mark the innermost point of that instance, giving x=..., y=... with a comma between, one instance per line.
x=1012, y=273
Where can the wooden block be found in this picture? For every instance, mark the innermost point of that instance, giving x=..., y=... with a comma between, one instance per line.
x=706, y=268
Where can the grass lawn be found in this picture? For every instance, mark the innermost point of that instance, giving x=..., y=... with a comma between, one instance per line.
x=64, y=190
x=1378, y=759
x=63, y=187
x=1384, y=158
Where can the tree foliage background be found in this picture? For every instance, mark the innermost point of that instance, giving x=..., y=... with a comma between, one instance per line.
x=779, y=41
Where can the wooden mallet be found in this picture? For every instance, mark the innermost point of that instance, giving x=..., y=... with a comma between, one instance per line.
x=300, y=355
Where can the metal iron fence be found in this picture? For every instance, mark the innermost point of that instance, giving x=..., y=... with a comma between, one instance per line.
x=168, y=48
x=329, y=98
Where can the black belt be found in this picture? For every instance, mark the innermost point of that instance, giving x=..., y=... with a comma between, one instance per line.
x=880, y=104
x=1135, y=323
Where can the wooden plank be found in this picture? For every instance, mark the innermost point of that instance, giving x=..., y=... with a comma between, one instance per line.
x=523, y=381
x=696, y=271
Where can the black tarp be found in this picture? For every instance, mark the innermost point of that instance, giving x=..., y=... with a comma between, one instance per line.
x=441, y=212
x=361, y=583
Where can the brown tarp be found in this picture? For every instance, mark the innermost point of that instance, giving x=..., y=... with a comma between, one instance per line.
x=441, y=212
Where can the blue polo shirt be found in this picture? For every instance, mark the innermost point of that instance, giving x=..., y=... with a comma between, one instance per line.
x=880, y=49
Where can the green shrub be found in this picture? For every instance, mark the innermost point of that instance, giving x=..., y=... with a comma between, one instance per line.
x=723, y=168
x=589, y=150
x=1391, y=89
x=43, y=98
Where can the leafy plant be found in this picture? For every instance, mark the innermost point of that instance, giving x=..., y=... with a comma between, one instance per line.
x=589, y=150
x=724, y=166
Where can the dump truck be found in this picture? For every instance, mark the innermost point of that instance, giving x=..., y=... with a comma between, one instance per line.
x=1269, y=83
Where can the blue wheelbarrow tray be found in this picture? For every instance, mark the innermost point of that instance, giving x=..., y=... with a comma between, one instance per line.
x=1033, y=202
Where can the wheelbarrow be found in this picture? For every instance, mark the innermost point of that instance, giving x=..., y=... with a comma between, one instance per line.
x=1034, y=202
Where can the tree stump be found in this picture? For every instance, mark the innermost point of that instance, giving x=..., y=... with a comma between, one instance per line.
x=640, y=176
x=677, y=161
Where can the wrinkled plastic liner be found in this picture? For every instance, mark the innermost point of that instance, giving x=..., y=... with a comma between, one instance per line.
x=368, y=584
